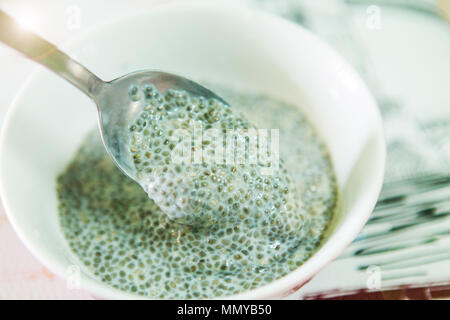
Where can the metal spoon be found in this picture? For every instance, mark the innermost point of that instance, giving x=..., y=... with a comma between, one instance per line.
x=115, y=109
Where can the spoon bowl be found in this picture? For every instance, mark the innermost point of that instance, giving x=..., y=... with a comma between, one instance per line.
x=116, y=109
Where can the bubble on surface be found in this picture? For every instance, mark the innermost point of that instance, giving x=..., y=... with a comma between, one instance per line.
x=133, y=93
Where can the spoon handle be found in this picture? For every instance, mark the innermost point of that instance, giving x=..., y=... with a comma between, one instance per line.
x=48, y=55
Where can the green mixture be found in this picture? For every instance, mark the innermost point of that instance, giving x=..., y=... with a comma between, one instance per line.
x=211, y=229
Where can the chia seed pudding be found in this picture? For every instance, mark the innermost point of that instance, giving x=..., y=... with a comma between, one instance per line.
x=208, y=229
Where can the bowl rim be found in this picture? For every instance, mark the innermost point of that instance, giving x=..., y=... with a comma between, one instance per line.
x=290, y=282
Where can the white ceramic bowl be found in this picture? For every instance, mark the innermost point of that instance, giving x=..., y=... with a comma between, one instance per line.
x=48, y=119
